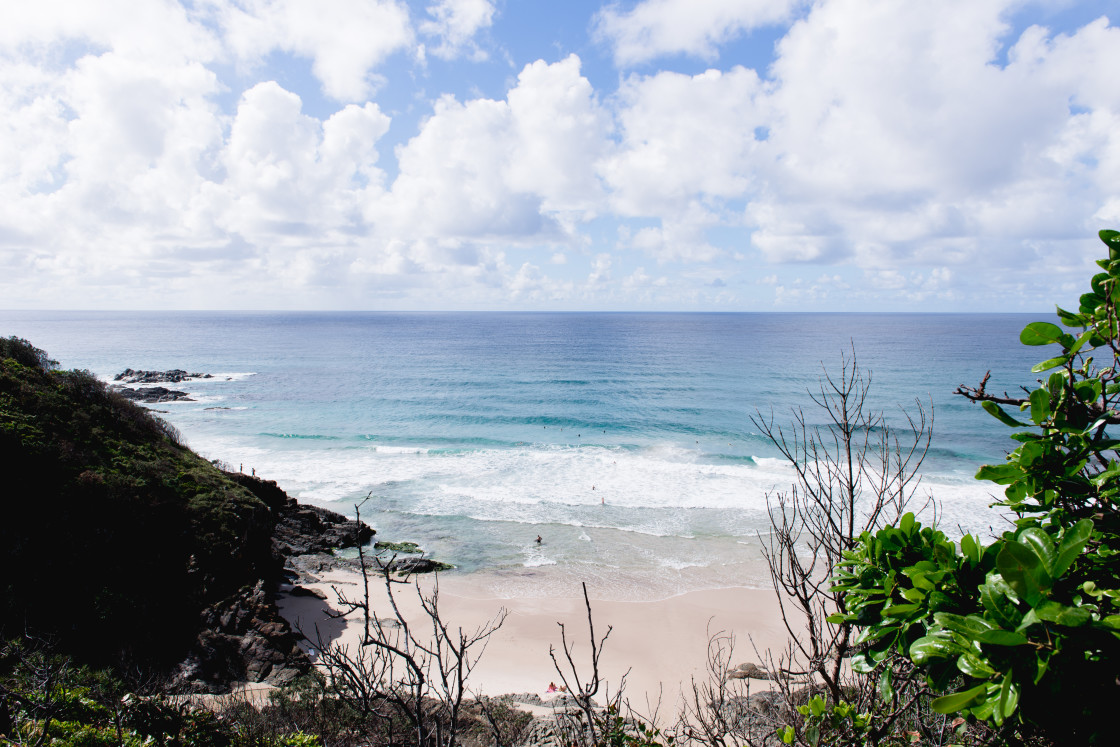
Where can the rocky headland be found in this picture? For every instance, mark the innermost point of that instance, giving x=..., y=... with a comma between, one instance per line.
x=244, y=638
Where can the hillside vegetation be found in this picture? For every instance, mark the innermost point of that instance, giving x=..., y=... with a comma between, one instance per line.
x=115, y=536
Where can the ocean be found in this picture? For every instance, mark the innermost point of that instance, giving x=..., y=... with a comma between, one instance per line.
x=625, y=441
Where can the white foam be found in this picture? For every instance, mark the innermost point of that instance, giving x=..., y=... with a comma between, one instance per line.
x=381, y=449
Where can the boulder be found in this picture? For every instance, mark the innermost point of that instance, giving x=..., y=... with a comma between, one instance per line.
x=152, y=394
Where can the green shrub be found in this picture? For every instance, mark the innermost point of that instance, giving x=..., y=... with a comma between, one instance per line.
x=1023, y=633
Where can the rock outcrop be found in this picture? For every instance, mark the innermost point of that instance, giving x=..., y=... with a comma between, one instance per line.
x=173, y=376
x=244, y=637
x=152, y=394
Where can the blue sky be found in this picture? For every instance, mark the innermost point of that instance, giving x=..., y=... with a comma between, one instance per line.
x=712, y=155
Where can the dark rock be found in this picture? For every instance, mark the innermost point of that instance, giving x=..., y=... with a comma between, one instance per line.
x=244, y=638
x=152, y=394
x=303, y=591
x=174, y=376
x=416, y=565
x=405, y=547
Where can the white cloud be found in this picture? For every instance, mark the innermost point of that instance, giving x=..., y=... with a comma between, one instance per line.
x=161, y=32
x=289, y=174
x=345, y=39
x=653, y=28
x=916, y=146
x=454, y=23
x=897, y=135
x=486, y=168
x=684, y=136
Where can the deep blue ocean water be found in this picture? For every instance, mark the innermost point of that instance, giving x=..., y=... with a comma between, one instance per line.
x=624, y=440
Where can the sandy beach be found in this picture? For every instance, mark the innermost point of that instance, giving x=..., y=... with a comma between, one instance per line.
x=660, y=646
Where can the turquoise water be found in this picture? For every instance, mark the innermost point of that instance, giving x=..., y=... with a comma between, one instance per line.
x=624, y=440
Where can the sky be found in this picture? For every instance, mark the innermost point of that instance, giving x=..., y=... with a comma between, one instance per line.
x=648, y=155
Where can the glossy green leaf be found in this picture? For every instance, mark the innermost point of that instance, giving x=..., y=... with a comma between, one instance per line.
x=1061, y=614
x=1000, y=474
x=993, y=597
x=974, y=666
x=1089, y=303
x=1023, y=571
x=906, y=523
x=1082, y=339
x=997, y=412
x=970, y=548
x=899, y=610
x=1049, y=363
x=1041, y=333
x=1072, y=544
x=1069, y=318
x=1002, y=638
x=1008, y=699
x=929, y=648
x=862, y=665
x=1039, y=541
x=1040, y=405
x=957, y=701
x=886, y=689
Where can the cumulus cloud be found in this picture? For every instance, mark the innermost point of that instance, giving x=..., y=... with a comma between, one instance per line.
x=289, y=174
x=884, y=149
x=454, y=24
x=897, y=133
x=653, y=28
x=513, y=168
x=344, y=39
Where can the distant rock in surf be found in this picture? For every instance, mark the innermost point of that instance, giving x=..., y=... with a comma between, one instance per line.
x=152, y=394
x=173, y=376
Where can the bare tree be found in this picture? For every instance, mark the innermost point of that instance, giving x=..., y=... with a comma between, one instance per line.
x=415, y=669
x=720, y=711
x=857, y=471
x=582, y=689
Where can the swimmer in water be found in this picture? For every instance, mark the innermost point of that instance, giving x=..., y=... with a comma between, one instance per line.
x=538, y=539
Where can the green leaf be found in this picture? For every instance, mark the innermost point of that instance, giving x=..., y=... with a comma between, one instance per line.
x=1023, y=571
x=1049, y=363
x=929, y=647
x=906, y=523
x=1000, y=474
x=993, y=595
x=1081, y=341
x=1061, y=614
x=974, y=666
x=1070, y=319
x=1002, y=638
x=862, y=665
x=886, y=690
x=957, y=701
x=1072, y=544
x=1089, y=303
x=1040, y=542
x=997, y=412
x=1008, y=699
x=899, y=610
x=970, y=548
x=1041, y=333
x=970, y=626
x=1040, y=405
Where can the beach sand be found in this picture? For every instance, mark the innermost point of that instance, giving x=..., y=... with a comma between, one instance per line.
x=659, y=645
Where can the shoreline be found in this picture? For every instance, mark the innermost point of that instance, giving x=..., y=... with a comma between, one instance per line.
x=659, y=646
